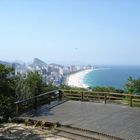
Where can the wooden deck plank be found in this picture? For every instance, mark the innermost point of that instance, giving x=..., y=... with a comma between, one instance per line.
x=117, y=120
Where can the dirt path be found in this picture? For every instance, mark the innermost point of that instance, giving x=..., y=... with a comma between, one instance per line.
x=10, y=131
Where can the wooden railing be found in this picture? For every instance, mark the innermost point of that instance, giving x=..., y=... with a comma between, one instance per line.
x=106, y=97
x=92, y=96
x=34, y=102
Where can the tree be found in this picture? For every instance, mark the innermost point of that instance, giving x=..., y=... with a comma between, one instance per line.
x=31, y=85
x=6, y=81
x=103, y=89
x=49, y=87
x=22, y=90
x=132, y=86
x=7, y=93
x=34, y=82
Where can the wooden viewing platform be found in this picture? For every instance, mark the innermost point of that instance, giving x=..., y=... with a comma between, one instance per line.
x=119, y=121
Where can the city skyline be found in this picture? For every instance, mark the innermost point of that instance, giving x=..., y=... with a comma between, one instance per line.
x=71, y=32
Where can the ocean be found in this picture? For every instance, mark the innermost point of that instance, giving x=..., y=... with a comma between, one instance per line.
x=114, y=76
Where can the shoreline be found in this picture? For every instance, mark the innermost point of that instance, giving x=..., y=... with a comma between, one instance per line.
x=76, y=79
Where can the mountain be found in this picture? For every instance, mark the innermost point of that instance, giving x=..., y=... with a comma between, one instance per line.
x=5, y=63
x=38, y=62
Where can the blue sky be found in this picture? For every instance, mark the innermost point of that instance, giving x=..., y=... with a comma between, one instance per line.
x=71, y=31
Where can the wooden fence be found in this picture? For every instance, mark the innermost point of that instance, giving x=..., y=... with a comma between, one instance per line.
x=34, y=102
x=106, y=97
x=80, y=95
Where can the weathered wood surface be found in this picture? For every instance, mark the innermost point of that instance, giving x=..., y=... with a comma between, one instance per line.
x=116, y=120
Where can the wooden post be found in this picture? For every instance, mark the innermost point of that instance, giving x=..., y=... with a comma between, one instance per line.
x=105, y=98
x=49, y=100
x=82, y=96
x=98, y=97
x=60, y=95
x=35, y=103
x=131, y=100
x=17, y=109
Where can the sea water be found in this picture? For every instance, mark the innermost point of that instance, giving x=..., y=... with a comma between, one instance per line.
x=114, y=76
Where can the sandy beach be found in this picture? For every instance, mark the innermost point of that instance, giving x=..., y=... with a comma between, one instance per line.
x=76, y=79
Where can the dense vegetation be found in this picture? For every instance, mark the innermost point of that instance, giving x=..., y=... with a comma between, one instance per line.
x=6, y=91
x=97, y=89
x=133, y=86
x=13, y=88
